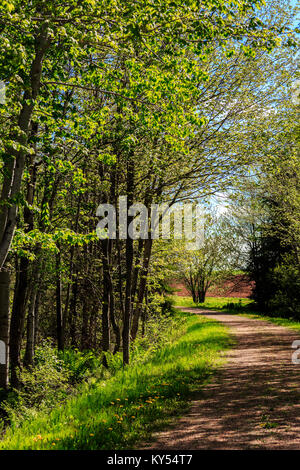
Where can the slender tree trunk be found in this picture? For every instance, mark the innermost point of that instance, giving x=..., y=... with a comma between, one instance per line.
x=4, y=327
x=85, y=325
x=36, y=314
x=14, y=165
x=105, y=302
x=29, y=353
x=142, y=288
x=14, y=168
x=144, y=313
x=114, y=324
x=73, y=308
x=22, y=286
x=129, y=263
x=59, y=319
x=71, y=295
x=136, y=270
x=18, y=320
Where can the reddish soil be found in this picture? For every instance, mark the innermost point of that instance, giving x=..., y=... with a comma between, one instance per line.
x=254, y=400
x=236, y=286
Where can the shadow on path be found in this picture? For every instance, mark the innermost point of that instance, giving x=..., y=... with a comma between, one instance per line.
x=253, y=402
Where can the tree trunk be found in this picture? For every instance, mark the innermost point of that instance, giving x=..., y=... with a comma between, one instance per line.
x=14, y=165
x=30, y=344
x=18, y=320
x=13, y=170
x=73, y=308
x=4, y=327
x=85, y=325
x=59, y=319
x=142, y=288
x=129, y=263
x=36, y=313
x=105, y=301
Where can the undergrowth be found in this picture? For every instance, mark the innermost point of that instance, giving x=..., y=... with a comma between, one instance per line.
x=118, y=411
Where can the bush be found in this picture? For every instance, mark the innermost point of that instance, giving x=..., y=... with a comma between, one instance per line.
x=167, y=306
x=81, y=365
x=286, y=298
x=233, y=306
x=54, y=376
x=43, y=386
x=58, y=374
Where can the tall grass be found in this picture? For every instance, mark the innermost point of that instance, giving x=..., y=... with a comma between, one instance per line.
x=119, y=412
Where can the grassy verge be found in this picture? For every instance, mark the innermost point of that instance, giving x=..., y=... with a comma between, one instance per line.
x=237, y=306
x=288, y=322
x=118, y=413
x=211, y=302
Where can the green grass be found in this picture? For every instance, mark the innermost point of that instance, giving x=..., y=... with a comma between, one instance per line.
x=288, y=322
x=237, y=306
x=122, y=411
x=210, y=302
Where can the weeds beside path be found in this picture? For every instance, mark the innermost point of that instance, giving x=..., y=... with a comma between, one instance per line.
x=117, y=413
x=254, y=403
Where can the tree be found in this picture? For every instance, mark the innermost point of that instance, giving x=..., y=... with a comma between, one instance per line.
x=266, y=220
x=201, y=268
x=103, y=100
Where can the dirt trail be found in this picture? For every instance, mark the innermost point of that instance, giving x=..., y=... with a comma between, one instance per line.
x=253, y=402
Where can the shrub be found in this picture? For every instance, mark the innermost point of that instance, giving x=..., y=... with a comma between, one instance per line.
x=81, y=365
x=43, y=386
x=167, y=306
x=286, y=298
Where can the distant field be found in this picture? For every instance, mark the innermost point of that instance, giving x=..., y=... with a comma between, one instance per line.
x=236, y=286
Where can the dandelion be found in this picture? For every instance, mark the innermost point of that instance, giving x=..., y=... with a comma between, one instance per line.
x=110, y=429
x=92, y=434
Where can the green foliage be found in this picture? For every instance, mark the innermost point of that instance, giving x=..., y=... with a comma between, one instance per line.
x=269, y=216
x=43, y=386
x=161, y=86
x=160, y=330
x=81, y=365
x=58, y=374
x=167, y=306
x=286, y=280
x=54, y=376
x=124, y=409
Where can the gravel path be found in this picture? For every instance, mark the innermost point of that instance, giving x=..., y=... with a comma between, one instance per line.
x=253, y=402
